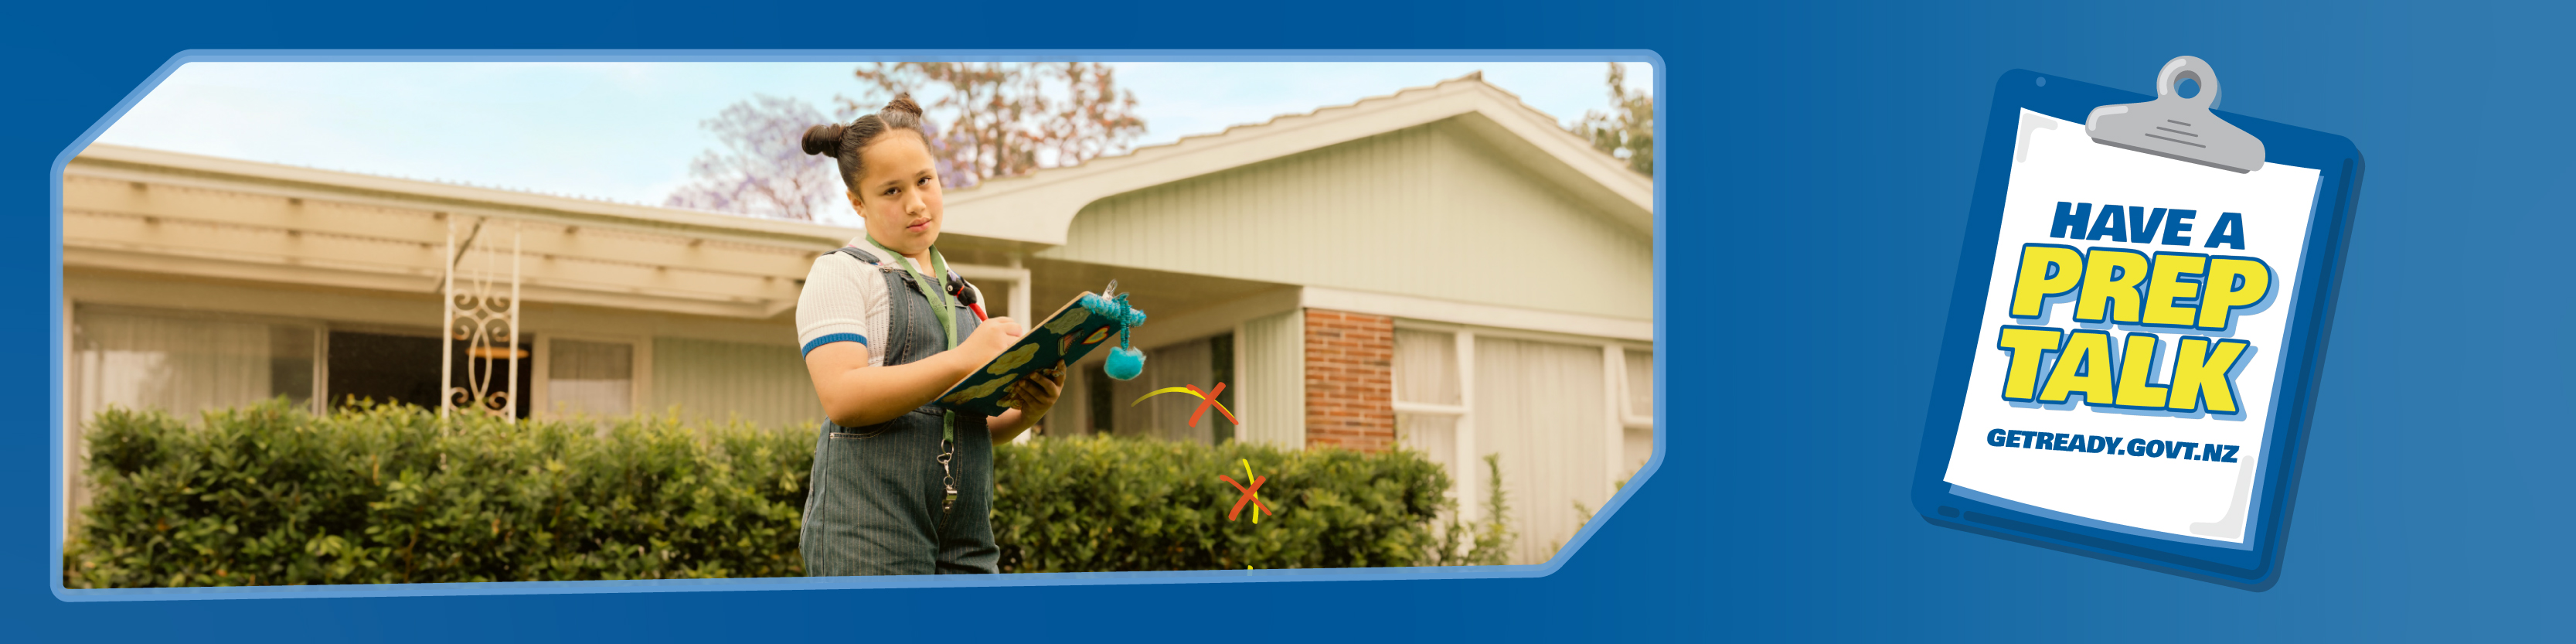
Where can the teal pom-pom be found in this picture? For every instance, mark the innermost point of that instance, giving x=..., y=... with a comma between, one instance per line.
x=1125, y=363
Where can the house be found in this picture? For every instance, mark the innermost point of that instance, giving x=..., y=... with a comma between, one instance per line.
x=1442, y=269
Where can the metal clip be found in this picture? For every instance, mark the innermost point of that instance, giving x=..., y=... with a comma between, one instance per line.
x=947, y=478
x=2178, y=128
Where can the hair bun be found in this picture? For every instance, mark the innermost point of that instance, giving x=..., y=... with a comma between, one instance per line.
x=903, y=103
x=824, y=140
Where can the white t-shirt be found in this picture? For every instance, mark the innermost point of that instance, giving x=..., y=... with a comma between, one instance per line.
x=845, y=301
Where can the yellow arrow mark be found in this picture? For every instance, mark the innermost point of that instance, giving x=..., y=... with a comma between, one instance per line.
x=1256, y=496
x=1167, y=390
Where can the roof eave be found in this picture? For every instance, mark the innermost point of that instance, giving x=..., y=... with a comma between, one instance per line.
x=301, y=181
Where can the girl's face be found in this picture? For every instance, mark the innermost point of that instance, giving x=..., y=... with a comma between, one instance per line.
x=898, y=192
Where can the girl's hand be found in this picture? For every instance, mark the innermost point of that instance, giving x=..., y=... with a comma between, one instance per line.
x=988, y=341
x=1037, y=392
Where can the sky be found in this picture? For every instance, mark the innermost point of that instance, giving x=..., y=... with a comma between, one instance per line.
x=624, y=131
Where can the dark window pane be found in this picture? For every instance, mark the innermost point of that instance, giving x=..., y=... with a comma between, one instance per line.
x=404, y=368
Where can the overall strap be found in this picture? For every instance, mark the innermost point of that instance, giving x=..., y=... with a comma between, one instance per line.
x=957, y=284
x=862, y=255
x=944, y=305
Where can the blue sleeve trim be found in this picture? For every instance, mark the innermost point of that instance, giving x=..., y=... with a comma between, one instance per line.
x=836, y=337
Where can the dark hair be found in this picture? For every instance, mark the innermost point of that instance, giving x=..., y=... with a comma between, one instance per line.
x=843, y=142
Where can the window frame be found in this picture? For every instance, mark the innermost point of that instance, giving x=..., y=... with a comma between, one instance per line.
x=639, y=380
x=1616, y=391
x=315, y=400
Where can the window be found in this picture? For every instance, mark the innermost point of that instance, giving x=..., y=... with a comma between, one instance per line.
x=1427, y=396
x=1540, y=406
x=1641, y=386
x=186, y=364
x=586, y=378
x=1638, y=419
x=400, y=364
x=1564, y=416
x=181, y=364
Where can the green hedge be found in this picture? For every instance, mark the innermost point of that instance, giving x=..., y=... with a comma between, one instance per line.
x=1123, y=504
x=269, y=495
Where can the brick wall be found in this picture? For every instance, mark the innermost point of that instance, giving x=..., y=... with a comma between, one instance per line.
x=1350, y=380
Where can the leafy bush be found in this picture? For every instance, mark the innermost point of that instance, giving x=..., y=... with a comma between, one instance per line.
x=1093, y=504
x=271, y=495
x=1489, y=542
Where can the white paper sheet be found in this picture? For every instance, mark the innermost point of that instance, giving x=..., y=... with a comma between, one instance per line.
x=2175, y=498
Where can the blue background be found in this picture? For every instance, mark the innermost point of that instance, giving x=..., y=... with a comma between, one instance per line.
x=1818, y=162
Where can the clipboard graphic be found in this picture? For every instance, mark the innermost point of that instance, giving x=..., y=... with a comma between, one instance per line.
x=2142, y=304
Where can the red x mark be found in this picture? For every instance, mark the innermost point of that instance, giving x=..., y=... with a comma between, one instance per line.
x=1248, y=493
x=1208, y=399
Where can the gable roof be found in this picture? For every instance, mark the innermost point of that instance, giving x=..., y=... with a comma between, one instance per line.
x=1039, y=207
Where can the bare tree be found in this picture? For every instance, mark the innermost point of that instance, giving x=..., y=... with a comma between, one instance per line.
x=1627, y=131
x=1009, y=119
x=762, y=168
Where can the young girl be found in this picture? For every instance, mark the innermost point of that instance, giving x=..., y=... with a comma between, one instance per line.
x=900, y=487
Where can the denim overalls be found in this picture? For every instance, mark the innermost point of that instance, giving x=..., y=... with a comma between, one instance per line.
x=875, y=505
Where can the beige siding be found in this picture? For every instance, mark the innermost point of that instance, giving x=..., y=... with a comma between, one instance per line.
x=758, y=383
x=1426, y=211
x=1271, y=375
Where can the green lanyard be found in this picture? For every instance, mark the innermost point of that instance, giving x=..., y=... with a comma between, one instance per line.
x=943, y=305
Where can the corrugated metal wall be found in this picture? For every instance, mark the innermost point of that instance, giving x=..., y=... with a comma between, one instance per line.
x=1427, y=211
x=1271, y=375
x=710, y=380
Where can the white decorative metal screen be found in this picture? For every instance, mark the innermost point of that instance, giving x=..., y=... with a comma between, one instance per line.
x=481, y=290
